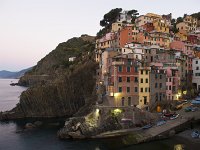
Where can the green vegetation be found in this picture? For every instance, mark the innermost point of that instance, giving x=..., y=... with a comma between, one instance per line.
x=58, y=87
x=107, y=21
x=133, y=13
x=58, y=59
x=179, y=20
x=111, y=17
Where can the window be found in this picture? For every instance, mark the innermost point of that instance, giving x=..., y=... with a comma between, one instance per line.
x=170, y=87
x=141, y=80
x=197, y=74
x=156, y=76
x=196, y=61
x=120, y=89
x=136, y=89
x=128, y=79
x=119, y=68
x=128, y=89
x=151, y=58
x=160, y=96
x=122, y=101
x=128, y=69
x=197, y=68
x=145, y=100
x=146, y=80
x=156, y=85
x=173, y=88
x=136, y=69
x=119, y=79
x=156, y=96
x=141, y=71
x=146, y=89
x=170, y=79
x=129, y=101
x=146, y=71
x=136, y=79
x=160, y=85
x=160, y=76
x=141, y=89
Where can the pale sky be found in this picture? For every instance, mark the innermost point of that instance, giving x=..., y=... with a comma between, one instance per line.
x=30, y=29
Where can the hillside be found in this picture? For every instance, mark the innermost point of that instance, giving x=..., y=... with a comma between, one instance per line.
x=13, y=75
x=58, y=87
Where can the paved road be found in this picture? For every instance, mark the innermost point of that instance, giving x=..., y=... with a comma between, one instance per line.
x=155, y=130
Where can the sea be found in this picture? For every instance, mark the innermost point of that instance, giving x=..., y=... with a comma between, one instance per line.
x=45, y=138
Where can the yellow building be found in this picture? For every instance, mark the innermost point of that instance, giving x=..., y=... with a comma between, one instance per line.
x=182, y=27
x=148, y=18
x=117, y=26
x=160, y=25
x=182, y=36
x=191, y=22
x=144, y=86
x=153, y=15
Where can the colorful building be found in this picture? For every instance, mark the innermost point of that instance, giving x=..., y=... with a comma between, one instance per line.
x=157, y=85
x=123, y=81
x=125, y=35
x=144, y=86
x=160, y=25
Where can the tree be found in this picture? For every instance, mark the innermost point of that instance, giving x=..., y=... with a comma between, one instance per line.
x=196, y=15
x=179, y=19
x=110, y=17
x=107, y=21
x=184, y=15
x=173, y=21
x=133, y=13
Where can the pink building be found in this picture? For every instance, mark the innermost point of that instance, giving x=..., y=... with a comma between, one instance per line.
x=178, y=45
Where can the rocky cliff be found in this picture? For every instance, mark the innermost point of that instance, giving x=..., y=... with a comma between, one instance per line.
x=57, y=87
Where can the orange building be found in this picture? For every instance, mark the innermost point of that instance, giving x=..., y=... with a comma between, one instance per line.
x=148, y=27
x=125, y=36
x=153, y=38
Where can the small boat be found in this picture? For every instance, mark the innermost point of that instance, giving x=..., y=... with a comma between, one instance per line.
x=195, y=134
x=147, y=126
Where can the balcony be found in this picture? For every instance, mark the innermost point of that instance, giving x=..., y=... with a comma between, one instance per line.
x=115, y=63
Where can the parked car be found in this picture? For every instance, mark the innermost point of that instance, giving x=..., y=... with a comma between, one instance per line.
x=194, y=109
x=159, y=123
x=169, y=114
x=195, y=134
x=147, y=126
x=190, y=108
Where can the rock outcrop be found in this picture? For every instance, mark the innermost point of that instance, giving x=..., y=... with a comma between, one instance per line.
x=58, y=87
x=88, y=126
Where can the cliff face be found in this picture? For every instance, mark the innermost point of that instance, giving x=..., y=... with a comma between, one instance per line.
x=56, y=62
x=58, y=87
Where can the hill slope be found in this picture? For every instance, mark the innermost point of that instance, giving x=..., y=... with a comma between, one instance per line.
x=13, y=75
x=58, y=87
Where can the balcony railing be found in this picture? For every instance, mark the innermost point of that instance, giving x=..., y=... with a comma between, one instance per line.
x=118, y=63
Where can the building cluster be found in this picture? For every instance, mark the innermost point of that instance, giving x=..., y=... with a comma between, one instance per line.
x=143, y=63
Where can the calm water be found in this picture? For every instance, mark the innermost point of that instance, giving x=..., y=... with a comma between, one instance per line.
x=45, y=138
x=9, y=95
